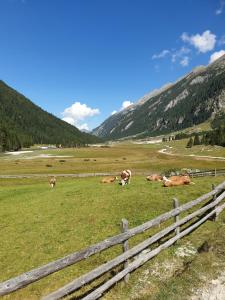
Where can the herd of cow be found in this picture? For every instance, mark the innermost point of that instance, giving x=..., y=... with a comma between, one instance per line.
x=126, y=178
x=167, y=182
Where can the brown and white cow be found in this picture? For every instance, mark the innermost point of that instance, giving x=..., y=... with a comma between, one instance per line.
x=52, y=181
x=109, y=179
x=125, y=177
x=154, y=177
x=176, y=180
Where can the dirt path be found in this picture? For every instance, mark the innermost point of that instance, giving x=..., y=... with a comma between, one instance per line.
x=164, y=151
x=215, y=290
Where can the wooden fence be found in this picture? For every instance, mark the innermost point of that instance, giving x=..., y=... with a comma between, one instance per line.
x=212, y=205
x=213, y=172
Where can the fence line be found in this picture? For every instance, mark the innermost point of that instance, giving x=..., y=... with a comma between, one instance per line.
x=143, y=259
x=87, y=278
x=24, y=279
x=212, y=172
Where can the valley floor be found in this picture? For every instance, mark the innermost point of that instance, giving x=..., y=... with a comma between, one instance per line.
x=40, y=224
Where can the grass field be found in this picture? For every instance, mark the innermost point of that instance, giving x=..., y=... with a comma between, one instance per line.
x=138, y=158
x=39, y=224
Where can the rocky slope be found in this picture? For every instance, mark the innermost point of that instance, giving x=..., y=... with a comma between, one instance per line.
x=191, y=100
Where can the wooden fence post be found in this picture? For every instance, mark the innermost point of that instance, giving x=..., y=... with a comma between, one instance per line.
x=215, y=172
x=125, y=247
x=176, y=218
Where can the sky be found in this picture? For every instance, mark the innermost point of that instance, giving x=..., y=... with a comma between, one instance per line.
x=83, y=60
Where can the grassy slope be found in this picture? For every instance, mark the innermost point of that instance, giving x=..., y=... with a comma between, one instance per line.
x=40, y=224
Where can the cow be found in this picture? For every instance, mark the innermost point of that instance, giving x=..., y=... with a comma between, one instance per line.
x=109, y=179
x=154, y=177
x=52, y=181
x=185, y=178
x=125, y=177
x=176, y=180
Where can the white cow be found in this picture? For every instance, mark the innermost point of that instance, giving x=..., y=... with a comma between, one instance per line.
x=52, y=181
x=125, y=177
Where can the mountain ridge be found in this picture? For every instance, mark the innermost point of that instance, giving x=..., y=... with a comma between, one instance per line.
x=190, y=100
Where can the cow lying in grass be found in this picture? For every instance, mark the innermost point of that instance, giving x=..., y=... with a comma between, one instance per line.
x=52, y=181
x=176, y=180
x=154, y=177
x=109, y=179
x=125, y=177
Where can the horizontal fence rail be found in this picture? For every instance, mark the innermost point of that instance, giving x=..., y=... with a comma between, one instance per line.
x=211, y=208
x=213, y=172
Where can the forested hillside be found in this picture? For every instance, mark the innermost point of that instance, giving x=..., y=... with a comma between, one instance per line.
x=22, y=123
x=217, y=135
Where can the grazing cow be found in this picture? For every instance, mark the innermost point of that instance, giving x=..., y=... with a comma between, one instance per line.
x=154, y=177
x=52, y=181
x=125, y=177
x=109, y=179
x=176, y=180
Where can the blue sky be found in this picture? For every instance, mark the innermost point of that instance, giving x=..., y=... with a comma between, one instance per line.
x=83, y=59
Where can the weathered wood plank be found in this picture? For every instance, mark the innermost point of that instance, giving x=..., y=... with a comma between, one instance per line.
x=214, y=217
x=142, y=260
x=79, y=282
x=219, y=209
x=176, y=218
x=125, y=247
x=43, y=271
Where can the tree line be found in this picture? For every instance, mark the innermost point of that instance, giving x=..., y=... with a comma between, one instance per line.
x=213, y=137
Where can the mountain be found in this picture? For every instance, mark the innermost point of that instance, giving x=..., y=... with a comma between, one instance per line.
x=22, y=123
x=189, y=101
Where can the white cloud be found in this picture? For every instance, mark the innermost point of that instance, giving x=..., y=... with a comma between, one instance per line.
x=185, y=61
x=174, y=54
x=83, y=126
x=125, y=104
x=181, y=53
x=216, y=55
x=113, y=112
x=69, y=120
x=78, y=112
x=221, y=40
x=203, y=42
x=219, y=11
x=161, y=54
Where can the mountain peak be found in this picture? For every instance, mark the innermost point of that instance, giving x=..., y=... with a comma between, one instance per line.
x=191, y=100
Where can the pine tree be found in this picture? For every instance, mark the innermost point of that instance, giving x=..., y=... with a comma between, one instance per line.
x=197, y=140
x=190, y=143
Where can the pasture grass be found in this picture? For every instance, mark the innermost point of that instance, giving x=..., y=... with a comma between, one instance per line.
x=119, y=156
x=40, y=224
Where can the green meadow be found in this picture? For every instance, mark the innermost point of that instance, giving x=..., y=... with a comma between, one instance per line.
x=139, y=158
x=40, y=224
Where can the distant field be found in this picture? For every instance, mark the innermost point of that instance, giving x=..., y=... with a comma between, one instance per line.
x=39, y=224
x=138, y=158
